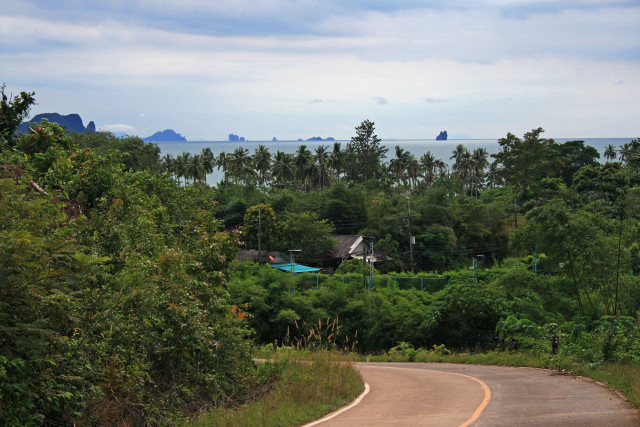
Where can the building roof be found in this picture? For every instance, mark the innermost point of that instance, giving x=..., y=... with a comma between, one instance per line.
x=346, y=246
x=273, y=257
x=295, y=268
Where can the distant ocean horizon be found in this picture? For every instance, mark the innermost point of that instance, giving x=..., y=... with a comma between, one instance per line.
x=439, y=149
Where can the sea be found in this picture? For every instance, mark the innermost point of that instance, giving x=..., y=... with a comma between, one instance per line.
x=440, y=149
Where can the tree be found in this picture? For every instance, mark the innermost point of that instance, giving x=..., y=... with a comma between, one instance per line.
x=320, y=169
x=610, y=152
x=208, y=162
x=365, y=155
x=307, y=232
x=336, y=160
x=283, y=168
x=262, y=163
x=524, y=162
x=478, y=164
x=260, y=228
x=630, y=153
x=575, y=155
x=222, y=162
x=462, y=166
x=12, y=113
x=303, y=162
x=240, y=165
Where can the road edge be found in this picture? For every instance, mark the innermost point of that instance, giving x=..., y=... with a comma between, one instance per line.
x=341, y=410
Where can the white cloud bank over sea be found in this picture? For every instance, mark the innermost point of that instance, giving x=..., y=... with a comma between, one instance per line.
x=305, y=68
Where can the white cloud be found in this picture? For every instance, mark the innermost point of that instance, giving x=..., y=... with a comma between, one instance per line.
x=484, y=70
x=380, y=100
x=120, y=127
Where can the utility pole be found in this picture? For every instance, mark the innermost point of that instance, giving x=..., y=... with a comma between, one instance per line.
x=364, y=264
x=291, y=257
x=474, y=264
x=365, y=240
x=515, y=211
x=259, y=232
x=371, y=259
x=410, y=236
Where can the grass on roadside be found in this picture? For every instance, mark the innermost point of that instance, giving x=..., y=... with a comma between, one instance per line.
x=304, y=392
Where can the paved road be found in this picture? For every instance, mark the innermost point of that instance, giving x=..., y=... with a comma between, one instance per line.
x=412, y=394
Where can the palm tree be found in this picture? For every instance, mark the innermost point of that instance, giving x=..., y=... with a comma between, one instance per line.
x=398, y=165
x=428, y=168
x=478, y=164
x=320, y=168
x=462, y=164
x=180, y=166
x=492, y=176
x=610, y=152
x=239, y=164
x=336, y=160
x=208, y=161
x=194, y=168
x=262, y=163
x=283, y=169
x=222, y=162
x=303, y=161
x=168, y=164
x=442, y=167
x=413, y=170
x=630, y=152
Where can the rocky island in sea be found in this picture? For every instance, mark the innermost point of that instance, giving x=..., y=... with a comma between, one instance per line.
x=442, y=136
x=71, y=122
x=167, y=135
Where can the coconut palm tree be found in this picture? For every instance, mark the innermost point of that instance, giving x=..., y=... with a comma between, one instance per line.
x=336, y=160
x=303, y=161
x=180, y=166
x=222, y=162
x=320, y=167
x=428, y=168
x=169, y=164
x=492, y=176
x=262, y=163
x=208, y=162
x=412, y=171
x=610, y=152
x=462, y=165
x=240, y=165
x=283, y=168
x=478, y=164
x=398, y=166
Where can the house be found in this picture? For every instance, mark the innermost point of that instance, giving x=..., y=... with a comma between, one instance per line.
x=348, y=246
x=272, y=257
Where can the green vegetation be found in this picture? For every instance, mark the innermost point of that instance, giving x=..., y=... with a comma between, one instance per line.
x=122, y=301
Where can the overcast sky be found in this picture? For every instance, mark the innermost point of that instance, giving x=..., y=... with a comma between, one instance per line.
x=300, y=68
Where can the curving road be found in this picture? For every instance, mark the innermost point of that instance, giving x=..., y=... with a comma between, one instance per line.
x=441, y=394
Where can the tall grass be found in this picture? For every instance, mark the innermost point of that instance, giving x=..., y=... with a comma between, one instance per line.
x=306, y=391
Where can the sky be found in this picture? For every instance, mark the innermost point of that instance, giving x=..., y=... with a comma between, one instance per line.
x=301, y=68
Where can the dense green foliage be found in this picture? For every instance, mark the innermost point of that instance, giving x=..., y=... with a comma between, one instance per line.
x=451, y=310
x=114, y=306
x=120, y=302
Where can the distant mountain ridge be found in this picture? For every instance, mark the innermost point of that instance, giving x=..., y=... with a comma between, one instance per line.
x=71, y=122
x=167, y=135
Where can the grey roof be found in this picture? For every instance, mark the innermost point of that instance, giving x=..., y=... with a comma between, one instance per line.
x=346, y=246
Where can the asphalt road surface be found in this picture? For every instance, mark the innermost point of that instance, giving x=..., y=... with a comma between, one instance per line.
x=441, y=394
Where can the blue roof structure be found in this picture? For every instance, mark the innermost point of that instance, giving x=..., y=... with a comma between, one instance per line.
x=295, y=268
